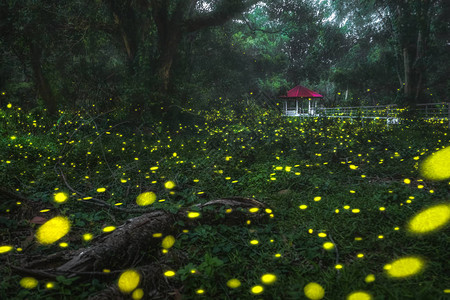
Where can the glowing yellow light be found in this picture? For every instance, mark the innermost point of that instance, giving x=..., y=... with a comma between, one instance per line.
x=137, y=294
x=28, y=282
x=101, y=190
x=430, y=219
x=328, y=245
x=169, y=185
x=253, y=210
x=193, y=214
x=9, y=105
x=169, y=273
x=268, y=210
x=5, y=249
x=145, y=198
x=257, y=289
x=353, y=167
x=369, y=278
x=404, y=267
x=87, y=237
x=233, y=283
x=61, y=197
x=314, y=291
x=168, y=242
x=106, y=270
x=49, y=285
x=63, y=245
x=254, y=242
x=407, y=181
x=356, y=210
x=268, y=278
x=157, y=235
x=53, y=230
x=360, y=255
x=322, y=234
x=303, y=206
x=437, y=165
x=109, y=228
x=200, y=291
x=318, y=198
x=359, y=295
x=128, y=281
x=338, y=267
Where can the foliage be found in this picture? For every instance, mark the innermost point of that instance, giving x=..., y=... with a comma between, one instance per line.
x=237, y=149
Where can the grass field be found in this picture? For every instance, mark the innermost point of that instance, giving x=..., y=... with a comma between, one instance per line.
x=342, y=196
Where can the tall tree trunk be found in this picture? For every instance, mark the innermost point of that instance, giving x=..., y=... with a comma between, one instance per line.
x=168, y=49
x=126, y=20
x=408, y=75
x=42, y=84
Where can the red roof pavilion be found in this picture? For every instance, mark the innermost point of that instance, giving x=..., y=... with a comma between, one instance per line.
x=302, y=92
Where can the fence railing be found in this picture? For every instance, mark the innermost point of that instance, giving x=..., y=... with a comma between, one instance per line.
x=392, y=113
x=382, y=112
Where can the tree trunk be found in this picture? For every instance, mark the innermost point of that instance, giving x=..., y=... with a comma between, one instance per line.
x=126, y=20
x=168, y=50
x=42, y=84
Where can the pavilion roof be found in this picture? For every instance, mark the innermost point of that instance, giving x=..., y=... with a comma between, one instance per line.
x=301, y=92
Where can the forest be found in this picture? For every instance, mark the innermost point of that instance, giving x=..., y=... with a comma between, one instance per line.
x=146, y=152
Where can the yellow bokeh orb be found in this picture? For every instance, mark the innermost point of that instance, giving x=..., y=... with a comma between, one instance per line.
x=28, y=282
x=437, y=165
x=5, y=249
x=146, y=198
x=268, y=278
x=169, y=185
x=109, y=229
x=193, y=214
x=328, y=245
x=404, y=267
x=169, y=273
x=233, y=283
x=359, y=295
x=53, y=230
x=430, y=219
x=61, y=197
x=314, y=291
x=369, y=278
x=128, y=281
x=257, y=289
x=168, y=242
x=137, y=294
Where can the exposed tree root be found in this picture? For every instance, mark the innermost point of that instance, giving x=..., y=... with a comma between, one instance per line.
x=124, y=247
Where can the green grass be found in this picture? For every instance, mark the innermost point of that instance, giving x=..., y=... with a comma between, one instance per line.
x=226, y=155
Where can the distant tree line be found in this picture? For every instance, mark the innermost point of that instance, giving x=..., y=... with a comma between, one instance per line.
x=161, y=53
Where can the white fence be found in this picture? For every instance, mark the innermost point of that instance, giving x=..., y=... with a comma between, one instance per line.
x=430, y=111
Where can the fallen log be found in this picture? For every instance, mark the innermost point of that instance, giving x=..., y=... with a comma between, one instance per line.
x=122, y=248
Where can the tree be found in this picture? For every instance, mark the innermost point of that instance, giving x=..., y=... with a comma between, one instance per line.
x=409, y=24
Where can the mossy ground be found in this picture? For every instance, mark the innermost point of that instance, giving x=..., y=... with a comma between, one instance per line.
x=283, y=162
